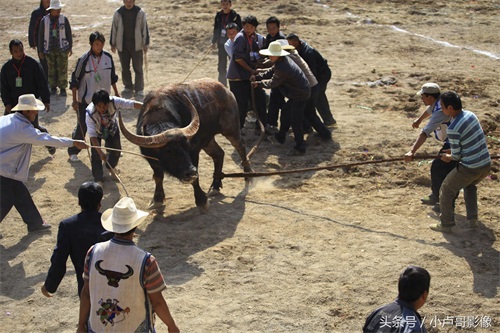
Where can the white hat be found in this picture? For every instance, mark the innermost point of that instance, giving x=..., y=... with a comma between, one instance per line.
x=274, y=49
x=55, y=4
x=123, y=217
x=28, y=102
x=285, y=45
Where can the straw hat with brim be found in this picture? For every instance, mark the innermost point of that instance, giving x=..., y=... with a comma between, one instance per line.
x=28, y=102
x=55, y=4
x=275, y=49
x=123, y=217
x=285, y=45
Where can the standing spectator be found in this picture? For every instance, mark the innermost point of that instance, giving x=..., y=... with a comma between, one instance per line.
x=75, y=237
x=401, y=315
x=276, y=99
x=23, y=75
x=321, y=70
x=102, y=125
x=220, y=36
x=231, y=30
x=469, y=149
x=243, y=64
x=438, y=123
x=293, y=84
x=55, y=43
x=36, y=18
x=130, y=36
x=17, y=135
x=134, y=284
x=94, y=70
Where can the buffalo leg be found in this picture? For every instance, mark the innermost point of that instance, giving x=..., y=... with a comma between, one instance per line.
x=200, y=197
x=217, y=154
x=158, y=175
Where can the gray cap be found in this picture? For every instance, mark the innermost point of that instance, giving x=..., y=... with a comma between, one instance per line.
x=429, y=88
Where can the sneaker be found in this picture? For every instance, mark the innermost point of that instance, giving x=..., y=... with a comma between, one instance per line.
x=436, y=208
x=127, y=93
x=52, y=150
x=40, y=228
x=271, y=130
x=473, y=223
x=139, y=96
x=441, y=227
x=429, y=200
x=323, y=137
x=73, y=158
x=330, y=122
x=62, y=92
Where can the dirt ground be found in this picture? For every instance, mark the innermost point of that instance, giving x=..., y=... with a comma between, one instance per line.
x=308, y=252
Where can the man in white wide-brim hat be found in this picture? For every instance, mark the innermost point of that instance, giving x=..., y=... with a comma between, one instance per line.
x=118, y=271
x=17, y=136
x=293, y=84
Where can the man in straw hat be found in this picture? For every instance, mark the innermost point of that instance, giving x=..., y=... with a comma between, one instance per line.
x=293, y=84
x=122, y=282
x=17, y=135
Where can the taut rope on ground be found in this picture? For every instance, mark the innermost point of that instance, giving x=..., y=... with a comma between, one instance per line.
x=326, y=167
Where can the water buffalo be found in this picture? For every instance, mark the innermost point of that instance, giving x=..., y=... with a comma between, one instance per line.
x=179, y=120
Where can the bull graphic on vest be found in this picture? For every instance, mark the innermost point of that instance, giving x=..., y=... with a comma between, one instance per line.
x=112, y=276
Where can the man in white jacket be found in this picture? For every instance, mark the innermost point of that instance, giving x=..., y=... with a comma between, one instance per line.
x=130, y=36
x=17, y=136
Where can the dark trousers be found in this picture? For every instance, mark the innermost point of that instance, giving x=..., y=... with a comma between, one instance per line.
x=439, y=171
x=113, y=156
x=80, y=129
x=293, y=115
x=310, y=116
x=243, y=94
x=137, y=62
x=276, y=103
x=222, y=64
x=322, y=104
x=15, y=194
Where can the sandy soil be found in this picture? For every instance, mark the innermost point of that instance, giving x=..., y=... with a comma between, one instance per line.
x=309, y=252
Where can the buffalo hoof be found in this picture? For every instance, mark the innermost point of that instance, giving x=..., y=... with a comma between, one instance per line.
x=156, y=204
x=204, y=208
x=213, y=192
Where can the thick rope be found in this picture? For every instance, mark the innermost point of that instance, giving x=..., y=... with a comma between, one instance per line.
x=326, y=167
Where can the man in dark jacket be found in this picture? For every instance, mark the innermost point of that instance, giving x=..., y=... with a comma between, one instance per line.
x=321, y=70
x=23, y=75
x=222, y=19
x=76, y=235
x=293, y=84
x=36, y=18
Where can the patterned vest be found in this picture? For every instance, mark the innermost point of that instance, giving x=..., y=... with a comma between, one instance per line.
x=119, y=302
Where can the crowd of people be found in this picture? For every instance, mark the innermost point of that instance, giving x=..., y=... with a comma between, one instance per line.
x=115, y=277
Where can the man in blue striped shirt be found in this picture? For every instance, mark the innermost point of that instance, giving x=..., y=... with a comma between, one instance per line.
x=468, y=147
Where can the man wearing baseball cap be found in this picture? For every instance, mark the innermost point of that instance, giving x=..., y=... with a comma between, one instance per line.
x=438, y=123
x=17, y=136
x=122, y=282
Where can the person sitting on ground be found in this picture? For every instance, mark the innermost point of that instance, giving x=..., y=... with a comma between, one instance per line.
x=293, y=84
x=102, y=125
x=75, y=237
x=438, y=123
x=401, y=315
x=470, y=151
x=17, y=135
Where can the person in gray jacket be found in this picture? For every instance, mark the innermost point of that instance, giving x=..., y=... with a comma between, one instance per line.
x=130, y=36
